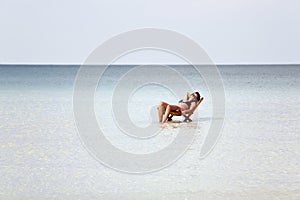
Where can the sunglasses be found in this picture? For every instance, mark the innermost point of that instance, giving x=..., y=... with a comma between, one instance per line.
x=194, y=95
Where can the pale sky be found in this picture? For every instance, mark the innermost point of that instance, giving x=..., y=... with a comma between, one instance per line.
x=231, y=32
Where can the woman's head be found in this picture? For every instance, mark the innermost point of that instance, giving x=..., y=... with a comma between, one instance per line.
x=197, y=95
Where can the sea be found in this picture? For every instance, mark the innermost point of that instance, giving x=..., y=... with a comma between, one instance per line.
x=67, y=134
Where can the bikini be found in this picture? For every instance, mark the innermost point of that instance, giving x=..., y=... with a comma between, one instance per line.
x=187, y=102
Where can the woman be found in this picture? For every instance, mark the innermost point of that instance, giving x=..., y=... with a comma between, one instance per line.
x=186, y=106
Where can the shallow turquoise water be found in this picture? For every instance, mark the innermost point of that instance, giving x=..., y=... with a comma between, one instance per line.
x=257, y=155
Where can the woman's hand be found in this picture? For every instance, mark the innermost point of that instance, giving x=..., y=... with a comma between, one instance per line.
x=187, y=96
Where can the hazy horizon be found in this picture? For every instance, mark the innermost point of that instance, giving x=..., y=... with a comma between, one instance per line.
x=181, y=64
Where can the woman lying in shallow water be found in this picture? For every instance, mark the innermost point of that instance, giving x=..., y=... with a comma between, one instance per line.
x=186, y=106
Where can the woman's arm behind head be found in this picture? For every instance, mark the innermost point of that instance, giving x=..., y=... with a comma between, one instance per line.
x=187, y=96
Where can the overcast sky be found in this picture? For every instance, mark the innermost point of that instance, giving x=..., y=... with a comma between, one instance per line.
x=231, y=31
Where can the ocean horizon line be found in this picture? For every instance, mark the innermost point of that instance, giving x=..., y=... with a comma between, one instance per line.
x=155, y=64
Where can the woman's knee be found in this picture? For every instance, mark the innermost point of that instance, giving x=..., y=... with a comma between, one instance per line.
x=168, y=107
x=161, y=103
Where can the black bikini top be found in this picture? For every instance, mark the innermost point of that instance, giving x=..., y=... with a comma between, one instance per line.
x=187, y=102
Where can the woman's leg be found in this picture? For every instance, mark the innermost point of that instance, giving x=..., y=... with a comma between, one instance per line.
x=168, y=110
x=160, y=110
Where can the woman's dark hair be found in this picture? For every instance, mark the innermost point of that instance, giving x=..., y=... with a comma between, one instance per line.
x=198, y=95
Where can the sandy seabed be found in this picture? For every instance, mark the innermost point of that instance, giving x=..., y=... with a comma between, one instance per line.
x=256, y=157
